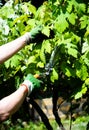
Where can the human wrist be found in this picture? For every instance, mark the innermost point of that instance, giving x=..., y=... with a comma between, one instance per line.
x=25, y=88
x=27, y=36
x=28, y=85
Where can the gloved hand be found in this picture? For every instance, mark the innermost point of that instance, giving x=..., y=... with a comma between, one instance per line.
x=32, y=83
x=34, y=32
x=34, y=35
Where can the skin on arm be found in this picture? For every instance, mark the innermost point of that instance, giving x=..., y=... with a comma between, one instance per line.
x=9, y=49
x=10, y=104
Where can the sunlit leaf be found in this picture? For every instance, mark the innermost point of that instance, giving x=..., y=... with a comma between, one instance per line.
x=54, y=75
x=61, y=23
x=40, y=64
x=73, y=52
x=78, y=95
x=13, y=62
x=82, y=72
x=46, y=31
x=72, y=17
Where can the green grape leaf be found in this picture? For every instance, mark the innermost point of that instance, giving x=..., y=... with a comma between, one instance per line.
x=67, y=70
x=85, y=58
x=69, y=7
x=42, y=54
x=81, y=72
x=30, y=22
x=13, y=62
x=46, y=31
x=47, y=46
x=72, y=17
x=30, y=8
x=7, y=63
x=23, y=68
x=78, y=95
x=6, y=12
x=84, y=90
x=81, y=8
x=87, y=82
x=54, y=75
x=31, y=59
x=40, y=64
x=85, y=47
x=83, y=21
x=73, y=52
x=61, y=24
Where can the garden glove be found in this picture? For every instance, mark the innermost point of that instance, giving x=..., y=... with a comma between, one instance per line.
x=32, y=83
x=33, y=35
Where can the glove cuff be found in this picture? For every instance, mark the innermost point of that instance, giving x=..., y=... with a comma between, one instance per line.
x=28, y=38
x=29, y=86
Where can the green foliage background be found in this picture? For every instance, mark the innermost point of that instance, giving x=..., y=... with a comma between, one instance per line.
x=69, y=20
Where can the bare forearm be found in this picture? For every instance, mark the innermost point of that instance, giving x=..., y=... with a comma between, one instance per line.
x=10, y=104
x=9, y=49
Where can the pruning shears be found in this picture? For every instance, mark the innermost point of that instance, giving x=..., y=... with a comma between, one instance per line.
x=50, y=65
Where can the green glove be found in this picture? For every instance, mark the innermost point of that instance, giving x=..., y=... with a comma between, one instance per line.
x=34, y=32
x=32, y=83
x=34, y=35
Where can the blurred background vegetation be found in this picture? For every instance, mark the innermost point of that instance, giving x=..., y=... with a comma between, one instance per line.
x=65, y=25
